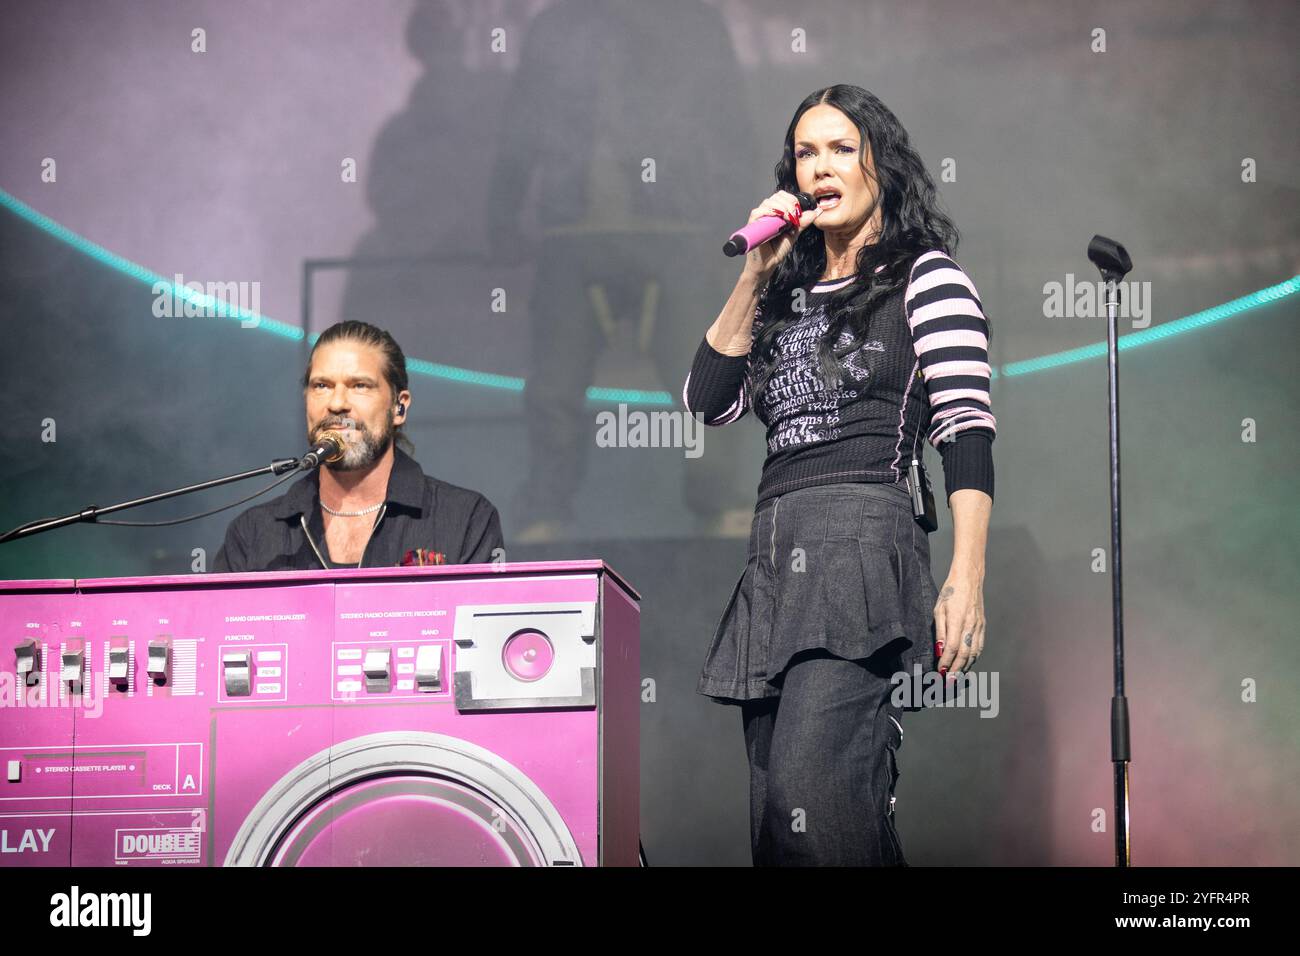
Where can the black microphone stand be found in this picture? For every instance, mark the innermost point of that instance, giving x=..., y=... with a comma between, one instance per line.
x=1114, y=262
x=278, y=467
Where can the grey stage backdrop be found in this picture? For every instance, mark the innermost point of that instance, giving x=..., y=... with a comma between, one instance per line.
x=238, y=142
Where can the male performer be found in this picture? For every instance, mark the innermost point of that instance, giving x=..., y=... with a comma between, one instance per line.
x=374, y=507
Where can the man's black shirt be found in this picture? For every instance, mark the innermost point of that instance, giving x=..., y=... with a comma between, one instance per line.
x=419, y=512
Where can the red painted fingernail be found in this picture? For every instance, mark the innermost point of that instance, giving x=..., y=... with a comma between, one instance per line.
x=943, y=670
x=938, y=649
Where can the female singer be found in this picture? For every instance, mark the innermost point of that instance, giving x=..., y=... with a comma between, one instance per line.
x=851, y=336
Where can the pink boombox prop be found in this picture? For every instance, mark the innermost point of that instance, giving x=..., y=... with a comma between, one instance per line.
x=474, y=715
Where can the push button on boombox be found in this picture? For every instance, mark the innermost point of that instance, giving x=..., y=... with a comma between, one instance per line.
x=528, y=655
x=237, y=673
x=119, y=663
x=28, y=654
x=428, y=668
x=378, y=668
x=74, y=662
x=160, y=660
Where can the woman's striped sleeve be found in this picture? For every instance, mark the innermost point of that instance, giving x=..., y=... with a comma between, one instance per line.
x=717, y=386
x=950, y=334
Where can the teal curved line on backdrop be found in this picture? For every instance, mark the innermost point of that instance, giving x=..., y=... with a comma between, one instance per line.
x=1156, y=333
x=513, y=383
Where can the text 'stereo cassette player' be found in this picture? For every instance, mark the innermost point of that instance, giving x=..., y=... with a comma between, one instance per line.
x=476, y=715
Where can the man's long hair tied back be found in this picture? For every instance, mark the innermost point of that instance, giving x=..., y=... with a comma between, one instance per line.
x=394, y=361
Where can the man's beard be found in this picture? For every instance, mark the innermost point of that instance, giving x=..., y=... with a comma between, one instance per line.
x=360, y=454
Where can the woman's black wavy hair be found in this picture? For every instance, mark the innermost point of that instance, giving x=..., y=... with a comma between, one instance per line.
x=911, y=224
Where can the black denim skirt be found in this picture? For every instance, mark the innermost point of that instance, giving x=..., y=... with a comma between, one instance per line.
x=842, y=567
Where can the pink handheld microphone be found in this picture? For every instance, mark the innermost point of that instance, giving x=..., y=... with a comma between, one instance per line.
x=762, y=229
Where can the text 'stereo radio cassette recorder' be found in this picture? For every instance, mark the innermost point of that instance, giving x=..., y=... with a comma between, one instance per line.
x=480, y=715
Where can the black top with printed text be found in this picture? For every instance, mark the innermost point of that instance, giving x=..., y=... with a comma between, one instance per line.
x=923, y=369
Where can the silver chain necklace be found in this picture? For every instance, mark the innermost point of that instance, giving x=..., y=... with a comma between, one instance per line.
x=351, y=514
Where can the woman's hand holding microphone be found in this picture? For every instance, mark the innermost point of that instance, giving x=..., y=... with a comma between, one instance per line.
x=761, y=261
x=731, y=332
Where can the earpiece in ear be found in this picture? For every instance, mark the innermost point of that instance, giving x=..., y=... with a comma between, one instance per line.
x=401, y=408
